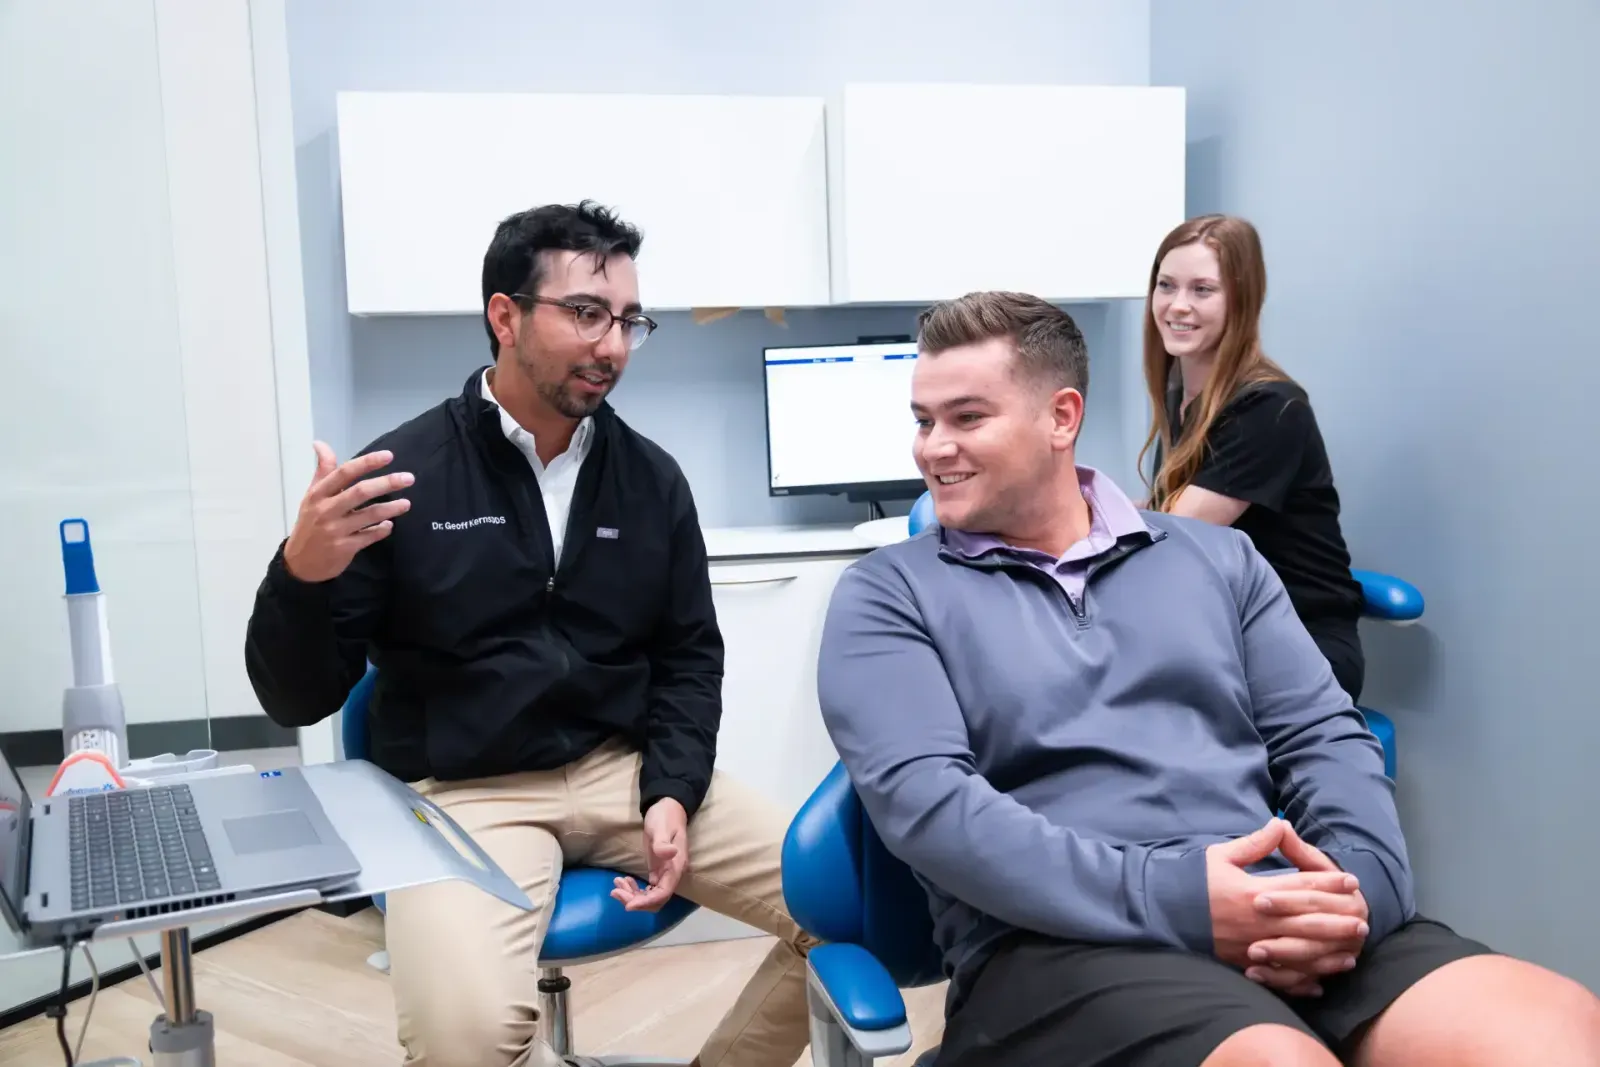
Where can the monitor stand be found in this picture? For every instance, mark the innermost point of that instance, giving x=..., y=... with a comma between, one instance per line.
x=874, y=505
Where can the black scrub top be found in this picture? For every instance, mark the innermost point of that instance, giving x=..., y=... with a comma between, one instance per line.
x=1265, y=449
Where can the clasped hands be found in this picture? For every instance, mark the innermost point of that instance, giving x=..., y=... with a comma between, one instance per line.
x=1286, y=931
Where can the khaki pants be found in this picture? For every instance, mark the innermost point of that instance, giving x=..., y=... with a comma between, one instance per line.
x=464, y=966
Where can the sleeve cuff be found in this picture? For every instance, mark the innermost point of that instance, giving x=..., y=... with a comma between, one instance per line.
x=1178, y=900
x=287, y=587
x=1259, y=495
x=1387, y=911
x=669, y=787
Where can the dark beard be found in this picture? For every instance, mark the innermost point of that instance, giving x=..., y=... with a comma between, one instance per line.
x=560, y=397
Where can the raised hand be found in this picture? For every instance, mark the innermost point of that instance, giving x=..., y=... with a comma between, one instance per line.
x=1238, y=923
x=333, y=525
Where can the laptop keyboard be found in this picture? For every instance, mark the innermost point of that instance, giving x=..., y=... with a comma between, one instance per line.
x=135, y=845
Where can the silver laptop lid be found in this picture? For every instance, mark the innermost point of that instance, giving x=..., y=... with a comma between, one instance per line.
x=14, y=824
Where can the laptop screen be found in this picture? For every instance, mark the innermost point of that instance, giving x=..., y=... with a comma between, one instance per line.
x=13, y=822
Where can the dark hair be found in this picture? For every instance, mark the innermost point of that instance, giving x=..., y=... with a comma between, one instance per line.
x=513, y=262
x=1050, y=347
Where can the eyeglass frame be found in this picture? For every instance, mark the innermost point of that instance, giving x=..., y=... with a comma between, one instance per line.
x=575, y=306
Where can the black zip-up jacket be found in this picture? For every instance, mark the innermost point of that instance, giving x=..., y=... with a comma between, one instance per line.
x=488, y=662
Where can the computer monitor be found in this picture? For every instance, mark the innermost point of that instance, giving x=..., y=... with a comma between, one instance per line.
x=839, y=420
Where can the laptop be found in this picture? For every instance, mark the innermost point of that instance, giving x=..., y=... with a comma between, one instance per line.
x=70, y=864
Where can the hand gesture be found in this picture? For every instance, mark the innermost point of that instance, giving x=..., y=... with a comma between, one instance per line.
x=332, y=525
x=666, y=852
x=1292, y=964
x=1238, y=924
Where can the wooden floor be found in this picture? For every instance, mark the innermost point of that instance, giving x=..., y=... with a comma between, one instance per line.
x=299, y=993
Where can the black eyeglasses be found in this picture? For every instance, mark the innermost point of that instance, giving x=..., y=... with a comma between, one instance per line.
x=594, y=321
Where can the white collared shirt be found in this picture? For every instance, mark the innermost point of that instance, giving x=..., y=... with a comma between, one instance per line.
x=557, y=481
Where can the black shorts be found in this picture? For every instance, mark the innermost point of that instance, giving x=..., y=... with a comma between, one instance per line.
x=1039, y=1001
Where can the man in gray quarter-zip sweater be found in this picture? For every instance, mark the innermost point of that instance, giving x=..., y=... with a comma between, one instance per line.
x=1076, y=723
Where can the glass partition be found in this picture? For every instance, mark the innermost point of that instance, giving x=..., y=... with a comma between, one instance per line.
x=102, y=416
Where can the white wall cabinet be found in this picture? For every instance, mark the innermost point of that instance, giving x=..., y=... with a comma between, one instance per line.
x=770, y=611
x=731, y=191
x=771, y=615
x=934, y=190
x=1063, y=191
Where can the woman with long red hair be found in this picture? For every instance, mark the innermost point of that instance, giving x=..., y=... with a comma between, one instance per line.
x=1234, y=437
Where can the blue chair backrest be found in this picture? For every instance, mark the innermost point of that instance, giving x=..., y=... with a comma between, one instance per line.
x=921, y=515
x=843, y=886
x=353, y=716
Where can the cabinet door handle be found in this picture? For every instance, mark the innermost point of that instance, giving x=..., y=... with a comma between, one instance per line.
x=755, y=581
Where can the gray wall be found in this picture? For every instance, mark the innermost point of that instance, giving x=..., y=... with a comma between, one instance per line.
x=695, y=389
x=1424, y=178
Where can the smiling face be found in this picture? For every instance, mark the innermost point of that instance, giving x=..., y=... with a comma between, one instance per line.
x=990, y=440
x=1188, y=303
x=569, y=373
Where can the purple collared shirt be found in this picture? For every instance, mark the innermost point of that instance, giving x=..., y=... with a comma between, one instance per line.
x=1111, y=515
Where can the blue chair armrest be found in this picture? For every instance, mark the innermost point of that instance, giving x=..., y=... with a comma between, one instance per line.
x=857, y=1015
x=1388, y=597
x=858, y=986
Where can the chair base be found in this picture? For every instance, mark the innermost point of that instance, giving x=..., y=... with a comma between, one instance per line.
x=555, y=1027
x=556, y=1023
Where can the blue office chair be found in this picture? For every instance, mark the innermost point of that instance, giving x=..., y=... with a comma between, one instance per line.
x=585, y=923
x=1387, y=598
x=843, y=887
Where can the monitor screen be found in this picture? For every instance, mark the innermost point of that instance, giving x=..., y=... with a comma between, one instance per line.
x=839, y=420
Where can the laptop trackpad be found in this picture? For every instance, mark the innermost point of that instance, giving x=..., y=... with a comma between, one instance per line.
x=272, y=832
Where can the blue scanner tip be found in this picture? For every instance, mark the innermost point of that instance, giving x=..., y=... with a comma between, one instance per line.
x=77, y=557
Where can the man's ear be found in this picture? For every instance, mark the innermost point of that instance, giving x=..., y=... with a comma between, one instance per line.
x=504, y=316
x=1066, y=414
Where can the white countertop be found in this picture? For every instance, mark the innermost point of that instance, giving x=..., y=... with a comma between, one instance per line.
x=747, y=542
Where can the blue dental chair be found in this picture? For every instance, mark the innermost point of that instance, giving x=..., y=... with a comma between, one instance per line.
x=585, y=924
x=843, y=886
